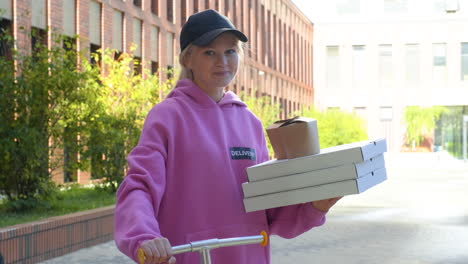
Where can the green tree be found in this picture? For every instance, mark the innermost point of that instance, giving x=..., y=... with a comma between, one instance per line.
x=53, y=111
x=124, y=100
x=265, y=111
x=420, y=121
x=41, y=98
x=336, y=127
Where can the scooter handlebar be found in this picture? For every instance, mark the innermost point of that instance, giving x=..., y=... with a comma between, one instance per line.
x=212, y=243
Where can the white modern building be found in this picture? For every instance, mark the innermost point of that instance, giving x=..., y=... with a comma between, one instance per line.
x=376, y=57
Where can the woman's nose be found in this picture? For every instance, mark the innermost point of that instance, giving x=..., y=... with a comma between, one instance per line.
x=221, y=59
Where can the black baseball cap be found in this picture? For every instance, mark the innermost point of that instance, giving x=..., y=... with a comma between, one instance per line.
x=203, y=27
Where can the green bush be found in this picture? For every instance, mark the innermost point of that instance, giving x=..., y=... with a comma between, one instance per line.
x=53, y=112
x=124, y=101
x=40, y=102
x=420, y=121
x=336, y=127
x=265, y=111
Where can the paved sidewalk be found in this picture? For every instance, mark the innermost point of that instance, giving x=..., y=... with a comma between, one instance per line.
x=99, y=254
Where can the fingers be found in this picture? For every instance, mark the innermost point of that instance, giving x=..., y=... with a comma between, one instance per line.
x=157, y=251
x=165, y=251
x=149, y=251
x=325, y=205
x=333, y=201
x=167, y=247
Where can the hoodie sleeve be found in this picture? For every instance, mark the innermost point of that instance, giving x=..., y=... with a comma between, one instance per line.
x=291, y=221
x=140, y=194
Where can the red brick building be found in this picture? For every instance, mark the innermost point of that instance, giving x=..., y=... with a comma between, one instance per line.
x=278, y=59
x=279, y=55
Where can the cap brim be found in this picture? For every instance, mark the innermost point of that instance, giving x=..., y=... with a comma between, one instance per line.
x=208, y=37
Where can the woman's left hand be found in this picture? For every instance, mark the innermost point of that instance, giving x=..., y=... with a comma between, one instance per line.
x=325, y=205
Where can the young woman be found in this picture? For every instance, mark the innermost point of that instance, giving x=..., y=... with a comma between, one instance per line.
x=185, y=175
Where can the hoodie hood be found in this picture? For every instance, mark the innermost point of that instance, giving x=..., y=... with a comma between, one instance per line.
x=187, y=88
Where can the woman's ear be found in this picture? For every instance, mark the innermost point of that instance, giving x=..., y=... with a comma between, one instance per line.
x=186, y=60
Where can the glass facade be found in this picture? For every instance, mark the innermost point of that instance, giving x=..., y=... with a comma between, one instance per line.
x=448, y=135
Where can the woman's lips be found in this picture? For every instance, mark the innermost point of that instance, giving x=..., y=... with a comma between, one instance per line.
x=221, y=73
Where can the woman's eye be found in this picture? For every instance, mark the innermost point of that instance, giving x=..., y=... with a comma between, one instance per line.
x=231, y=51
x=209, y=52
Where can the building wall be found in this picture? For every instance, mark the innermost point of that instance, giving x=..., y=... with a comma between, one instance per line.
x=278, y=59
x=383, y=107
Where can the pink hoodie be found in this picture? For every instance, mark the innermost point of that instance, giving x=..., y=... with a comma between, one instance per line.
x=185, y=175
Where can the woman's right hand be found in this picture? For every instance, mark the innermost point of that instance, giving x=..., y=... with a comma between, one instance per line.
x=157, y=251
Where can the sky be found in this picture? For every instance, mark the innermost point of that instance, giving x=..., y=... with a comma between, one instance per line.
x=313, y=9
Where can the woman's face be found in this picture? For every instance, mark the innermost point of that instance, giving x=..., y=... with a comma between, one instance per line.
x=214, y=66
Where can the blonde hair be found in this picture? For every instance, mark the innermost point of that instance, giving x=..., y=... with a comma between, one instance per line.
x=186, y=73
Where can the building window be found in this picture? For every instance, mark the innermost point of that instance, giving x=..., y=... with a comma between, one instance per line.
x=386, y=113
x=348, y=7
x=38, y=24
x=117, y=30
x=262, y=30
x=155, y=7
x=361, y=112
x=464, y=61
x=385, y=66
x=137, y=30
x=38, y=16
x=69, y=43
x=137, y=41
x=68, y=18
x=207, y=4
x=438, y=6
x=38, y=39
x=170, y=54
x=269, y=39
x=95, y=23
x=6, y=10
x=154, y=49
x=95, y=54
x=5, y=45
x=333, y=67
x=170, y=11
x=137, y=66
x=395, y=6
x=439, y=62
x=6, y=29
x=452, y=6
x=386, y=130
x=154, y=67
x=137, y=3
x=95, y=29
x=359, y=66
x=412, y=64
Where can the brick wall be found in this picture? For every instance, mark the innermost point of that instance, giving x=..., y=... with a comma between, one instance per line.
x=282, y=48
x=38, y=241
x=278, y=58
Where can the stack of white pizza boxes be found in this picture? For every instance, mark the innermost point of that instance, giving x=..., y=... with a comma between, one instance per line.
x=334, y=172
